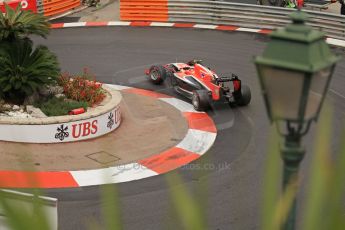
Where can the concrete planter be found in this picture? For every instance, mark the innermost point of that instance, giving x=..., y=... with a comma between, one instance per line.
x=95, y=122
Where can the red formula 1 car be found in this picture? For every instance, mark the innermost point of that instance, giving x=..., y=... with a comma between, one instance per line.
x=200, y=84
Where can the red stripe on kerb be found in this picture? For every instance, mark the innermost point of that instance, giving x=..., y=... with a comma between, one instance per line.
x=184, y=25
x=17, y=179
x=200, y=121
x=227, y=28
x=146, y=93
x=96, y=24
x=57, y=25
x=140, y=24
x=169, y=160
x=265, y=31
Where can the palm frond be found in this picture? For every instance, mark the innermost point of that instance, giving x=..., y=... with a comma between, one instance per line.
x=24, y=69
x=15, y=24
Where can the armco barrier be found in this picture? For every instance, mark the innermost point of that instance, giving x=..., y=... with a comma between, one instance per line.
x=46, y=7
x=226, y=13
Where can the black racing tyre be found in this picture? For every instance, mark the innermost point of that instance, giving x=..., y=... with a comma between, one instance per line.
x=245, y=97
x=157, y=74
x=201, y=100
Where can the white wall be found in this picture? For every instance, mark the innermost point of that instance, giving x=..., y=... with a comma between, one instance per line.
x=24, y=201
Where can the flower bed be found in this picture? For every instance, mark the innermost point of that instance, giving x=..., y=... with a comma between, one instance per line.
x=78, y=92
x=82, y=87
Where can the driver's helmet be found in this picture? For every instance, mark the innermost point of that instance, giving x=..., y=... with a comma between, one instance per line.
x=194, y=61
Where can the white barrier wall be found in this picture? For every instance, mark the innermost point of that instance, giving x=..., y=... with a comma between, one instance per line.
x=25, y=202
x=62, y=132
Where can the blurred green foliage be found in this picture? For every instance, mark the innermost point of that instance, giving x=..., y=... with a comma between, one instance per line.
x=19, y=217
x=322, y=208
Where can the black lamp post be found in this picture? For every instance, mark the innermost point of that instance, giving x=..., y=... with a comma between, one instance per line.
x=295, y=71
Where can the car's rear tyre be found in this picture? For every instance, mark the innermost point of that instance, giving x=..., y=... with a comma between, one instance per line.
x=157, y=74
x=245, y=97
x=201, y=100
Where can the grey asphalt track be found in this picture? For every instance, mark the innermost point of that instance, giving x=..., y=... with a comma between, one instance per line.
x=119, y=55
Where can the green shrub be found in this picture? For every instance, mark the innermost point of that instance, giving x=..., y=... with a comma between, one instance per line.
x=23, y=70
x=59, y=106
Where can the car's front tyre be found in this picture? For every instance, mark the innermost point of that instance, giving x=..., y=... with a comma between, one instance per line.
x=157, y=74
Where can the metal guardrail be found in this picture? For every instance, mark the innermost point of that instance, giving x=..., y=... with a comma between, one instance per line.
x=244, y=15
x=226, y=13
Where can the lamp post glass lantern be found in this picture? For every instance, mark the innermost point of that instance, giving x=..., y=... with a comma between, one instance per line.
x=292, y=95
x=294, y=72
